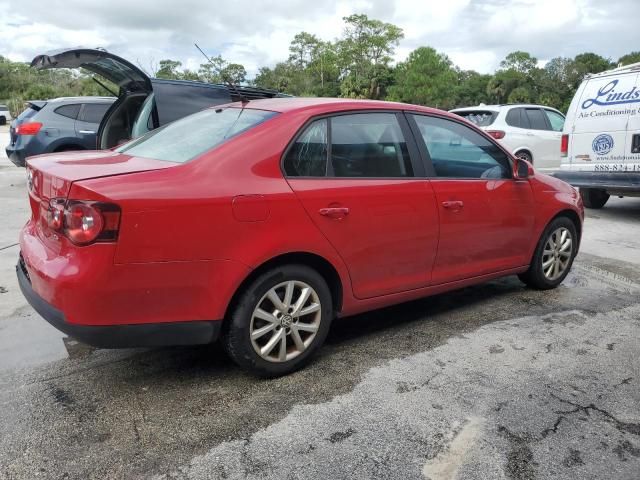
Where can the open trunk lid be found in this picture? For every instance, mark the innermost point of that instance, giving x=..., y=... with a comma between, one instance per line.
x=115, y=69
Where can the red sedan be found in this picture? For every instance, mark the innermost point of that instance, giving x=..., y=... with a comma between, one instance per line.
x=260, y=222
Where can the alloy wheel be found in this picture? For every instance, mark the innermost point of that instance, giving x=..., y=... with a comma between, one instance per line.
x=556, y=255
x=285, y=321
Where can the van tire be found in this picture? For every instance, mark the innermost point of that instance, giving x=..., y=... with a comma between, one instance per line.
x=594, y=197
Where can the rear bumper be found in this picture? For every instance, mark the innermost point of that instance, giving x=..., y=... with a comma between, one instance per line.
x=16, y=155
x=618, y=182
x=120, y=336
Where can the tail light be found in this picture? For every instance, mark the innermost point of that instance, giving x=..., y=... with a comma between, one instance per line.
x=84, y=222
x=497, y=134
x=564, y=145
x=30, y=128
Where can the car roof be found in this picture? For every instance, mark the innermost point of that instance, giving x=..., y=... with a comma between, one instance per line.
x=328, y=105
x=499, y=107
x=87, y=99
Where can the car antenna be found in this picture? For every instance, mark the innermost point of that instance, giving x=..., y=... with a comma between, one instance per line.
x=224, y=77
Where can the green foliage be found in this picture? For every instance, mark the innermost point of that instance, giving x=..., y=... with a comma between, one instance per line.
x=427, y=78
x=356, y=65
x=629, y=58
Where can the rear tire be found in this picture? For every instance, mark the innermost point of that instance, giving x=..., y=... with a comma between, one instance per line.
x=524, y=155
x=3, y=121
x=594, y=197
x=268, y=332
x=553, y=257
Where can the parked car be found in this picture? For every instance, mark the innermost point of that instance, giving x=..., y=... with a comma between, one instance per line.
x=530, y=132
x=143, y=103
x=5, y=115
x=56, y=125
x=259, y=222
x=601, y=141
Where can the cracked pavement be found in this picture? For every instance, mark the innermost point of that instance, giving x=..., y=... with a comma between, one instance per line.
x=493, y=381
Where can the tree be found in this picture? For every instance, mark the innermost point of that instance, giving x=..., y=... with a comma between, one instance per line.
x=234, y=73
x=426, y=78
x=519, y=61
x=471, y=88
x=629, y=58
x=169, y=69
x=365, y=54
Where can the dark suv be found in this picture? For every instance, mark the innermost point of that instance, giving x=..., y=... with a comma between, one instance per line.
x=57, y=125
x=144, y=103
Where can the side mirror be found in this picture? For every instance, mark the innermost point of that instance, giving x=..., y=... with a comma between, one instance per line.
x=522, y=170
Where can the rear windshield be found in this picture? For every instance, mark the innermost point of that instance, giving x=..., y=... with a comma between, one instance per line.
x=3, y=108
x=191, y=136
x=482, y=118
x=26, y=114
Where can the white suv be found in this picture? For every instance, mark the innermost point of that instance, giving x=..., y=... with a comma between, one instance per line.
x=5, y=116
x=531, y=132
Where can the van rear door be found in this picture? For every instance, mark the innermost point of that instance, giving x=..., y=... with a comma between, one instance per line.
x=598, y=138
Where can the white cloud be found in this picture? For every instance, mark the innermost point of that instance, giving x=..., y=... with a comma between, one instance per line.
x=475, y=34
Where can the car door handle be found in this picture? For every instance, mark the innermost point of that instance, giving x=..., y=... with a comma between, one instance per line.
x=334, y=212
x=87, y=132
x=453, y=204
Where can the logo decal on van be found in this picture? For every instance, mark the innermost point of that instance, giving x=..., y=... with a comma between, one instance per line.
x=602, y=144
x=608, y=96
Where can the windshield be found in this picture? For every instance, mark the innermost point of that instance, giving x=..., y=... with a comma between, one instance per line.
x=482, y=118
x=191, y=136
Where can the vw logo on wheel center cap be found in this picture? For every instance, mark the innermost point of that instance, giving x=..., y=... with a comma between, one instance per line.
x=286, y=320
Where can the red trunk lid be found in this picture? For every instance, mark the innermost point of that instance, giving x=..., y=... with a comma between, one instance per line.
x=51, y=176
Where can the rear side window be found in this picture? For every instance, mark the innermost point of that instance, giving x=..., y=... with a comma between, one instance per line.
x=307, y=157
x=537, y=119
x=93, y=112
x=368, y=145
x=195, y=134
x=513, y=118
x=456, y=151
x=555, y=119
x=482, y=118
x=69, y=111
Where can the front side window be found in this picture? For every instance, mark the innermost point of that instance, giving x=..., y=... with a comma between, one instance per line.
x=191, y=136
x=369, y=145
x=555, y=119
x=456, y=151
x=307, y=157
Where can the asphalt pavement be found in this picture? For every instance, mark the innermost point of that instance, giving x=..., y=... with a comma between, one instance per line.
x=493, y=381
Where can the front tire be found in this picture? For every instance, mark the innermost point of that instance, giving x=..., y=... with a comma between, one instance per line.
x=279, y=321
x=594, y=197
x=553, y=256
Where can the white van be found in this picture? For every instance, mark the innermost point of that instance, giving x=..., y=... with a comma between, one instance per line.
x=601, y=137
